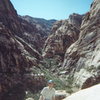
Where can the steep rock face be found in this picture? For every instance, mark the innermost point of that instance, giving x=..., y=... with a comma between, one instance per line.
x=22, y=28
x=8, y=16
x=64, y=33
x=36, y=30
x=82, y=58
x=76, y=20
x=16, y=57
x=13, y=65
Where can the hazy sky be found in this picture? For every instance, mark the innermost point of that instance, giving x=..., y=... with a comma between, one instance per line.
x=51, y=9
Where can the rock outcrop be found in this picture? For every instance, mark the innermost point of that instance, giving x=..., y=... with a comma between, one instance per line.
x=33, y=33
x=60, y=94
x=77, y=42
x=16, y=56
x=82, y=58
x=64, y=33
x=76, y=20
x=36, y=31
x=29, y=99
x=86, y=94
x=13, y=65
x=8, y=17
x=43, y=25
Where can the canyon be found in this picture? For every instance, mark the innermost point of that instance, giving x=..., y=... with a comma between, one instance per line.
x=67, y=49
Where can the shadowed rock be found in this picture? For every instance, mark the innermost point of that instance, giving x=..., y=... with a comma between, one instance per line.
x=16, y=57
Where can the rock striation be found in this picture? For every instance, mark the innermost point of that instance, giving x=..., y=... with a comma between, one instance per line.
x=74, y=42
x=16, y=56
x=64, y=33
x=82, y=58
x=43, y=25
x=77, y=42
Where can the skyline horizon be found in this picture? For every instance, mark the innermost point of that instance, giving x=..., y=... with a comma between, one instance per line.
x=49, y=19
x=48, y=14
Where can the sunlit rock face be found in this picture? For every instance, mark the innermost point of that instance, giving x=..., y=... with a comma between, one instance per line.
x=60, y=94
x=77, y=43
x=83, y=57
x=64, y=33
x=86, y=94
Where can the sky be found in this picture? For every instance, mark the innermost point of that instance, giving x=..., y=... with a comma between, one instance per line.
x=51, y=9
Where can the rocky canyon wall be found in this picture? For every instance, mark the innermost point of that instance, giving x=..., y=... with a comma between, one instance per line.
x=16, y=56
x=77, y=42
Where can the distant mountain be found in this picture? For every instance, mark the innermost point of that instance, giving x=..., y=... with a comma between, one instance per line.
x=40, y=23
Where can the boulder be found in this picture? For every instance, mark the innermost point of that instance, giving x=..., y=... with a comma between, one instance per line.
x=60, y=94
x=86, y=94
x=29, y=99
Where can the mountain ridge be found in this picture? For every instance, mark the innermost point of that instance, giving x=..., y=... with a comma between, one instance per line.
x=43, y=24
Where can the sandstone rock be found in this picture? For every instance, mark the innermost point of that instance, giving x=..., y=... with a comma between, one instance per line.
x=22, y=28
x=32, y=35
x=8, y=16
x=43, y=25
x=86, y=94
x=12, y=65
x=29, y=99
x=76, y=20
x=84, y=53
x=60, y=94
x=65, y=32
x=16, y=57
x=76, y=42
x=13, y=68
